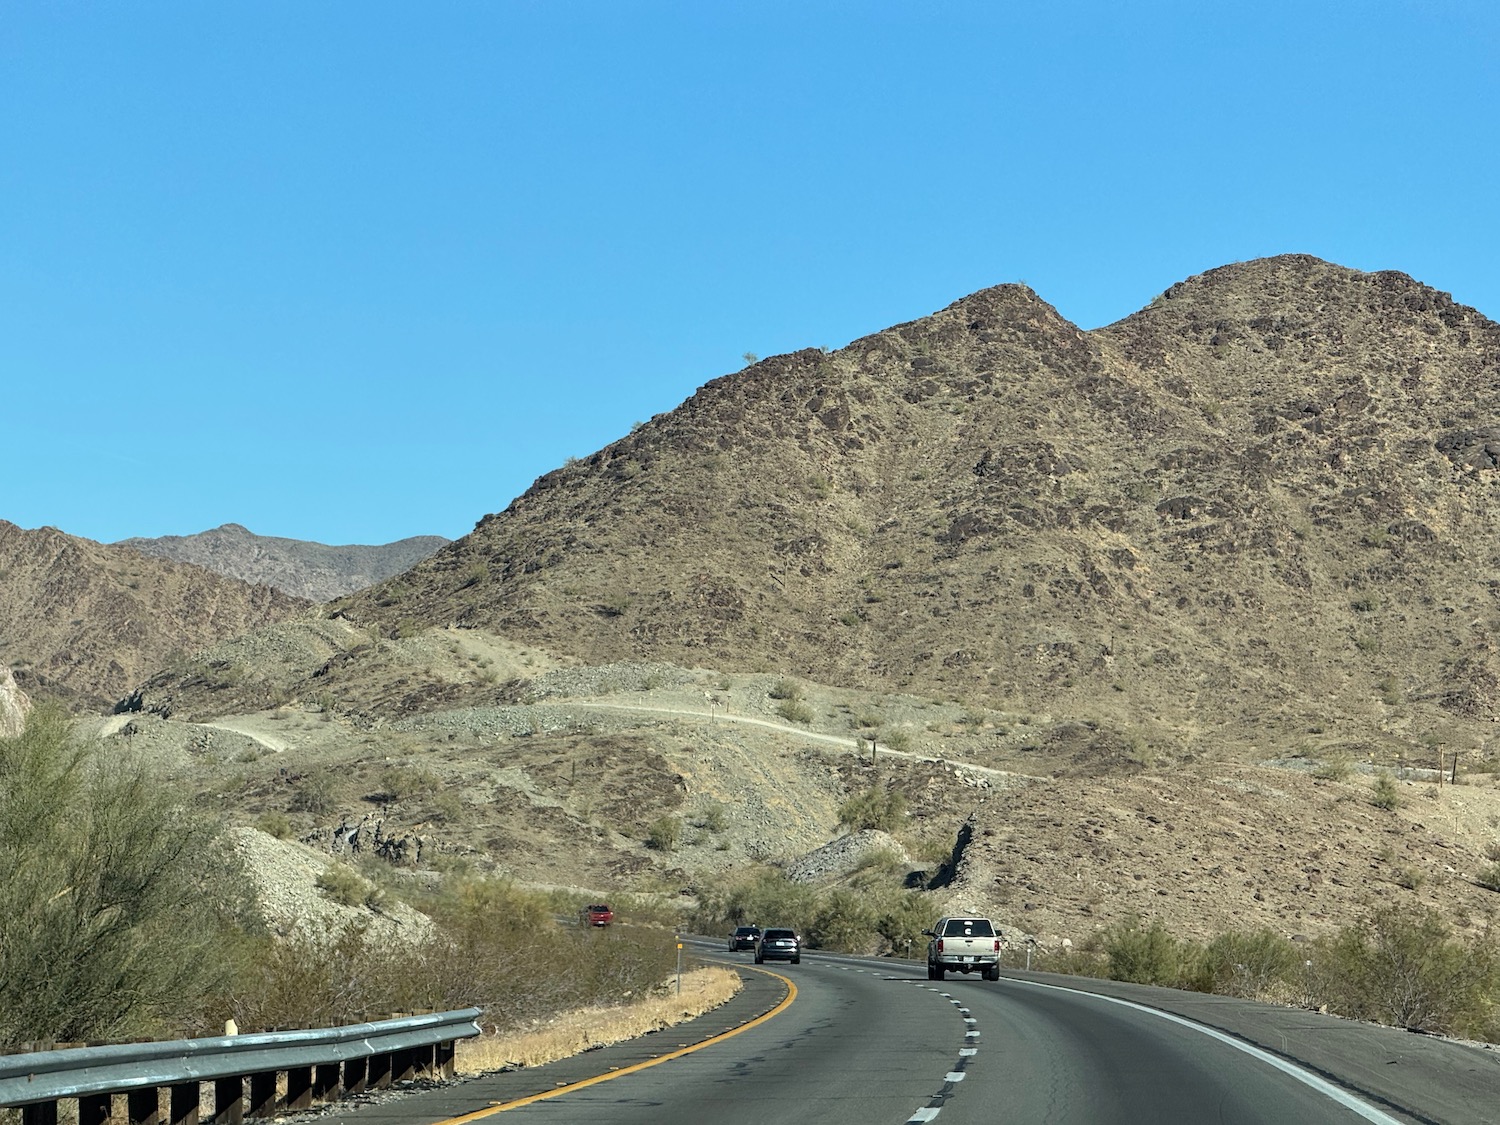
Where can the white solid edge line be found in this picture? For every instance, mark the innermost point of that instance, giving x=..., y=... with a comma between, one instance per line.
x=1306, y=1077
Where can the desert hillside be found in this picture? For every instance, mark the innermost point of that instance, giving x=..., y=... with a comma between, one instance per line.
x=1255, y=512
x=1132, y=620
x=86, y=622
x=315, y=571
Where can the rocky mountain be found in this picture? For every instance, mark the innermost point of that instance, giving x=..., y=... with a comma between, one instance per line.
x=1134, y=616
x=315, y=571
x=86, y=622
x=1259, y=510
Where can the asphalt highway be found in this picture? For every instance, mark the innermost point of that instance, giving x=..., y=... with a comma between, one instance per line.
x=861, y=1040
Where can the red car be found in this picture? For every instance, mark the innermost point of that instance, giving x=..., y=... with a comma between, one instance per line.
x=596, y=914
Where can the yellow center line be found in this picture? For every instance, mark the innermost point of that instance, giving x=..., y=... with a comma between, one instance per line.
x=791, y=994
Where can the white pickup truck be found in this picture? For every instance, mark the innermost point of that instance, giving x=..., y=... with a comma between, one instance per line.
x=965, y=945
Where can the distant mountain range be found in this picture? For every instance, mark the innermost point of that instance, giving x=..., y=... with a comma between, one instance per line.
x=85, y=622
x=315, y=571
x=88, y=621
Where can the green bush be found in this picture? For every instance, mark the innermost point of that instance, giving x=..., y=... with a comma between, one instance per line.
x=1249, y=965
x=786, y=689
x=664, y=834
x=276, y=824
x=795, y=711
x=314, y=794
x=870, y=919
x=895, y=739
x=405, y=782
x=347, y=887
x=1149, y=955
x=1386, y=795
x=876, y=807
x=714, y=818
x=1335, y=767
x=1404, y=968
x=116, y=900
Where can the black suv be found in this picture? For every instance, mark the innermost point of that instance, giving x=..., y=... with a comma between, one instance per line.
x=779, y=945
x=744, y=937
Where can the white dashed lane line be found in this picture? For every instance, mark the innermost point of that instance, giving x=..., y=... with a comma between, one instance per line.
x=930, y=1111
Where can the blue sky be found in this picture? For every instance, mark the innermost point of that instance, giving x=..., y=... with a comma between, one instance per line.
x=351, y=272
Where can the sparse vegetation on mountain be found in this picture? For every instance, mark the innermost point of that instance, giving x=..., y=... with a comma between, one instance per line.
x=1134, y=619
x=85, y=623
x=317, y=572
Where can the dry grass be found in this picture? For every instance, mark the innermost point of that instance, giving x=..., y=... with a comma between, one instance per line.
x=574, y=1032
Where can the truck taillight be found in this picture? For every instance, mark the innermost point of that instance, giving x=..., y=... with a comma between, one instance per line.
x=997, y=945
x=940, y=945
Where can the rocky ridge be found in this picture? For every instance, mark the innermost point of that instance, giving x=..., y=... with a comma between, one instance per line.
x=87, y=622
x=314, y=571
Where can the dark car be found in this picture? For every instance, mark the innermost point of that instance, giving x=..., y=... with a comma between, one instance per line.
x=744, y=937
x=778, y=945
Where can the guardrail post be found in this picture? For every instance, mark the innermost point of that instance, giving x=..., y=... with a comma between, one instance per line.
x=95, y=1109
x=326, y=1083
x=356, y=1075
x=143, y=1107
x=298, y=1088
x=183, y=1102
x=404, y=1064
x=262, y=1094
x=229, y=1101
x=39, y=1113
x=380, y=1071
x=444, y=1059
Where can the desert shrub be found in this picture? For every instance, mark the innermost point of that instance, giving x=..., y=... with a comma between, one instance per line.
x=1149, y=955
x=877, y=866
x=714, y=818
x=761, y=896
x=1386, y=795
x=1074, y=961
x=876, y=807
x=870, y=919
x=1335, y=767
x=276, y=824
x=843, y=921
x=1250, y=965
x=896, y=739
x=1404, y=968
x=795, y=711
x=404, y=782
x=786, y=689
x=1408, y=877
x=446, y=806
x=115, y=897
x=664, y=833
x=315, y=794
x=1489, y=877
x=347, y=887
x=900, y=918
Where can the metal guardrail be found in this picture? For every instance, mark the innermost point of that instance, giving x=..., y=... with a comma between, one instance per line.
x=320, y=1065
